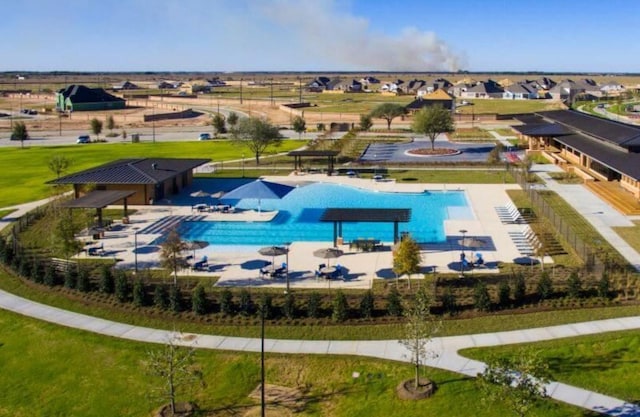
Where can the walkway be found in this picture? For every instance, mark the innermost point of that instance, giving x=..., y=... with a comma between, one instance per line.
x=446, y=347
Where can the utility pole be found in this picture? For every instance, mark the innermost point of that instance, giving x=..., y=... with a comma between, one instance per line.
x=272, y=92
x=299, y=89
x=240, y=90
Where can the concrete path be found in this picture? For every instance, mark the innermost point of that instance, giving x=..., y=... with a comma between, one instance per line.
x=446, y=348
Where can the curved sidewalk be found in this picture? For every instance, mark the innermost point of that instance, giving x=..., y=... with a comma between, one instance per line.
x=446, y=347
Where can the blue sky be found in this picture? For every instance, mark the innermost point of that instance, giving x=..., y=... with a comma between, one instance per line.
x=321, y=35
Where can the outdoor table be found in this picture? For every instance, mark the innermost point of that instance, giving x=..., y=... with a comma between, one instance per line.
x=327, y=271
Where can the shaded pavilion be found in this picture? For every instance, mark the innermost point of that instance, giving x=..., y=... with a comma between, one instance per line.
x=365, y=215
x=99, y=200
x=298, y=155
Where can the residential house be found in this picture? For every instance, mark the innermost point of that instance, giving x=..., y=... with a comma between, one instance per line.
x=520, y=91
x=411, y=87
x=568, y=90
x=612, y=88
x=392, y=87
x=432, y=85
x=436, y=98
x=369, y=83
x=483, y=90
x=353, y=86
x=125, y=85
x=82, y=98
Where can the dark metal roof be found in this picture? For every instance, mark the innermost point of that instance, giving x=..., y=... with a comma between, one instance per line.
x=528, y=118
x=98, y=199
x=613, y=157
x=133, y=171
x=365, y=215
x=83, y=94
x=543, y=129
x=313, y=153
x=621, y=134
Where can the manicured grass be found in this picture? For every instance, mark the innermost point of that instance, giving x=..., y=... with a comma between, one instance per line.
x=505, y=131
x=631, y=235
x=4, y=213
x=471, y=133
x=606, y=363
x=481, y=106
x=452, y=176
x=50, y=370
x=566, y=177
x=26, y=181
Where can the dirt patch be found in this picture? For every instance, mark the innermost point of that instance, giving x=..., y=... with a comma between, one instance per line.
x=406, y=390
x=288, y=401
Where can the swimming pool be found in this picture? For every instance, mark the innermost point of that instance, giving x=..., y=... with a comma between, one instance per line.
x=300, y=210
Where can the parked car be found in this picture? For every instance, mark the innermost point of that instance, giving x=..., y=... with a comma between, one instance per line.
x=204, y=136
x=83, y=139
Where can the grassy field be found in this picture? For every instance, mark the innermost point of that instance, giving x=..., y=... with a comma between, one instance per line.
x=631, y=235
x=481, y=106
x=55, y=371
x=452, y=176
x=606, y=363
x=26, y=181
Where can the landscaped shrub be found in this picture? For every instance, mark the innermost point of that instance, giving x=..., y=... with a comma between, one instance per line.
x=70, y=277
x=199, y=301
x=574, y=285
x=226, y=302
x=50, y=275
x=367, y=304
x=340, y=308
x=7, y=255
x=175, y=299
x=604, y=286
x=289, y=306
x=246, y=303
x=122, y=286
x=36, y=271
x=394, y=302
x=519, y=289
x=161, y=297
x=449, y=304
x=481, y=299
x=545, y=286
x=139, y=295
x=24, y=268
x=504, y=294
x=83, y=282
x=313, y=305
x=107, y=284
x=266, y=306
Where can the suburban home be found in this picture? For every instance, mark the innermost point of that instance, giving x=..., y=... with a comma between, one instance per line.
x=520, y=91
x=567, y=90
x=319, y=84
x=484, y=89
x=82, y=98
x=432, y=85
x=353, y=86
x=369, y=82
x=436, y=98
x=392, y=87
x=150, y=179
x=125, y=85
x=612, y=88
x=605, y=153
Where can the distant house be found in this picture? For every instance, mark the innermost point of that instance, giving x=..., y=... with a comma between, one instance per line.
x=436, y=98
x=411, y=87
x=353, y=86
x=567, y=90
x=82, y=98
x=368, y=82
x=432, y=85
x=320, y=84
x=392, y=87
x=152, y=179
x=125, y=85
x=520, y=91
x=484, y=89
x=612, y=87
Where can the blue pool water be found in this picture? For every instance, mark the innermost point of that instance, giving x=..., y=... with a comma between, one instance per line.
x=300, y=211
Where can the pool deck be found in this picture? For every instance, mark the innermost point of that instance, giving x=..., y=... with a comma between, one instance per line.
x=239, y=266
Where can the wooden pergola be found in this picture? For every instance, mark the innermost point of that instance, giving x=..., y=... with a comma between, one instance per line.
x=298, y=155
x=100, y=199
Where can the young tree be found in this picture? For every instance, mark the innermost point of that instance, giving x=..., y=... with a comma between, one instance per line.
x=246, y=303
x=232, y=119
x=289, y=306
x=106, y=280
x=226, y=302
x=388, y=112
x=161, y=297
x=504, y=294
x=432, y=121
x=313, y=305
x=299, y=125
x=199, y=301
x=519, y=289
x=367, y=304
x=122, y=286
x=518, y=381
x=64, y=234
x=20, y=133
x=110, y=123
x=256, y=134
x=96, y=127
x=175, y=299
x=394, y=302
x=365, y=122
x=171, y=253
x=219, y=124
x=574, y=285
x=340, y=308
x=481, y=298
x=176, y=368
x=420, y=327
x=407, y=258
x=58, y=164
x=449, y=304
x=545, y=286
x=604, y=286
x=139, y=293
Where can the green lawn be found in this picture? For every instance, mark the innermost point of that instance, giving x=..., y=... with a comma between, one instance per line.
x=481, y=106
x=56, y=371
x=606, y=363
x=452, y=176
x=26, y=180
x=631, y=235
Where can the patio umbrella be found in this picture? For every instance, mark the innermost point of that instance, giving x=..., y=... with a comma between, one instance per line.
x=200, y=193
x=259, y=189
x=273, y=251
x=328, y=253
x=195, y=245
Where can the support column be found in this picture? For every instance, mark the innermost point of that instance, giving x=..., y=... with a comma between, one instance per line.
x=395, y=232
x=335, y=234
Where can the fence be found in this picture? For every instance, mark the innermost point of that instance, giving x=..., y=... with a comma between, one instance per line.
x=563, y=228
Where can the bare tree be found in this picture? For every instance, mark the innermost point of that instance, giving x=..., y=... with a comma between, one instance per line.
x=175, y=366
x=171, y=253
x=420, y=327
